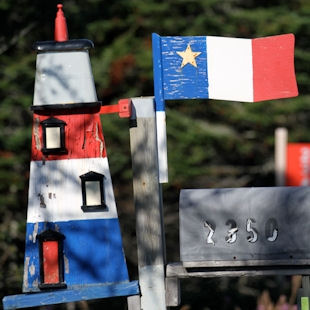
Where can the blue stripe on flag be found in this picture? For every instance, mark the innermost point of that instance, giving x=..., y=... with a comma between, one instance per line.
x=189, y=81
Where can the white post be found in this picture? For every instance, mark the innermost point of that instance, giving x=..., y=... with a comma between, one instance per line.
x=148, y=204
x=280, y=155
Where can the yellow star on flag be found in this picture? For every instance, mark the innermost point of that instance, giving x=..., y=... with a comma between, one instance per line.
x=189, y=56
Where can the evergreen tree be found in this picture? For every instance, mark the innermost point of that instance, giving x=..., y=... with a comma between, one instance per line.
x=210, y=143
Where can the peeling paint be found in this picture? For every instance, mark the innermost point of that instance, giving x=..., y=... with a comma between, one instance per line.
x=84, y=140
x=36, y=133
x=27, y=260
x=66, y=263
x=52, y=195
x=35, y=283
x=35, y=232
x=98, y=139
x=32, y=269
x=42, y=202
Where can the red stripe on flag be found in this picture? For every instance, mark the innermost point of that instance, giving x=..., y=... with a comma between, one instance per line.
x=273, y=67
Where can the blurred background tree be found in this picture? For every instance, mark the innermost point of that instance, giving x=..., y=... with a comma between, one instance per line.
x=210, y=143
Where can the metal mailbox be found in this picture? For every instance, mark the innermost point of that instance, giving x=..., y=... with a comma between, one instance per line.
x=245, y=226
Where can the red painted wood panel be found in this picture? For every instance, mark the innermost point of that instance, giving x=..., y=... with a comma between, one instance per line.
x=273, y=67
x=50, y=262
x=298, y=164
x=83, y=137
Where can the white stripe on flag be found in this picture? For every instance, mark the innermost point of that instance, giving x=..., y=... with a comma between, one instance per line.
x=230, y=69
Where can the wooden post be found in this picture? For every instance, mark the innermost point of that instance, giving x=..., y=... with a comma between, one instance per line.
x=134, y=302
x=280, y=155
x=173, y=292
x=148, y=204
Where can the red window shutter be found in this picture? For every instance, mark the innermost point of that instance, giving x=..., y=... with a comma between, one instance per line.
x=50, y=262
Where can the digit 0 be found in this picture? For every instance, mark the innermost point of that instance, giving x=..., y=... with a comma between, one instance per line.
x=271, y=230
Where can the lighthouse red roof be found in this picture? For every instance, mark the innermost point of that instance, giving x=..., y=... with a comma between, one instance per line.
x=61, y=31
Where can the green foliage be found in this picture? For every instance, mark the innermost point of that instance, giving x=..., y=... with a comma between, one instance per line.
x=210, y=143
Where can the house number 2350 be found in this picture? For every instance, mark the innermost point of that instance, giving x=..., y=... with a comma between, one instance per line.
x=271, y=231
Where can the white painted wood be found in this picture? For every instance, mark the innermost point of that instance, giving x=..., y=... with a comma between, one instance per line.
x=64, y=78
x=93, y=194
x=280, y=155
x=148, y=206
x=55, y=192
x=162, y=146
x=230, y=69
x=139, y=109
x=134, y=302
x=152, y=286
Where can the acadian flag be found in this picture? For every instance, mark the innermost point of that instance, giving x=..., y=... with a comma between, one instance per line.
x=220, y=68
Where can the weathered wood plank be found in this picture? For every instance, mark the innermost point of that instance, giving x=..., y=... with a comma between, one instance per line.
x=173, y=292
x=70, y=295
x=148, y=205
x=177, y=270
x=134, y=302
x=248, y=263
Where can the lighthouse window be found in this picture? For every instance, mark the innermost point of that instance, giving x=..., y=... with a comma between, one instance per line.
x=53, y=136
x=51, y=260
x=93, y=192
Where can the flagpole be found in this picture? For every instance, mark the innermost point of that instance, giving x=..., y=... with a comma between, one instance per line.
x=161, y=131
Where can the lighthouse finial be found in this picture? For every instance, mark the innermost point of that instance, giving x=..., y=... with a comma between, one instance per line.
x=61, y=32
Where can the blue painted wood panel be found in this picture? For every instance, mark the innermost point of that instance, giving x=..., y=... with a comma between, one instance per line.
x=70, y=295
x=93, y=253
x=191, y=81
x=171, y=80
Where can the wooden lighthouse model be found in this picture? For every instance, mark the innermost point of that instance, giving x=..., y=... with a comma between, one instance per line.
x=73, y=238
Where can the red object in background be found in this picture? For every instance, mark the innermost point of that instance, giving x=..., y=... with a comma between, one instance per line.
x=61, y=31
x=298, y=164
x=50, y=262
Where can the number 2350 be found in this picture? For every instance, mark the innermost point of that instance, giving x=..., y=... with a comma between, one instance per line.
x=271, y=231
